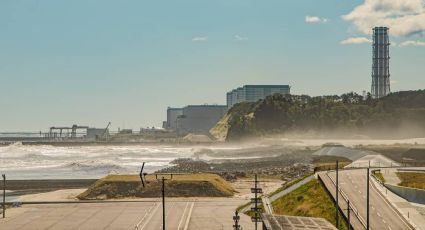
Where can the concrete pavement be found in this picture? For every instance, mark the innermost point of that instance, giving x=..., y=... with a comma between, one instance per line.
x=382, y=214
x=181, y=214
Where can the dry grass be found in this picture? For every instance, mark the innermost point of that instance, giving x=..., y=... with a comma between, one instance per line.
x=181, y=185
x=309, y=200
x=378, y=175
x=214, y=179
x=412, y=180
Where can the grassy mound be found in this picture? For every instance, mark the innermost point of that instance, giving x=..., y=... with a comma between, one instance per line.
x=182, y=185
x=412, y=180
x=310, y=200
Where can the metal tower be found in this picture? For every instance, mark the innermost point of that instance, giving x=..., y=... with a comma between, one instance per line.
x=380, y=64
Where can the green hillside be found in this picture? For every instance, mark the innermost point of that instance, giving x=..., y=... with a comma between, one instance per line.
x=398, y=115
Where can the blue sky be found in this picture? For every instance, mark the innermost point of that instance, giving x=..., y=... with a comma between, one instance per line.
x=93, y=61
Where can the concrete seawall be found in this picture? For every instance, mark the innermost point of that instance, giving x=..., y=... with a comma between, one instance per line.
x=410, y=194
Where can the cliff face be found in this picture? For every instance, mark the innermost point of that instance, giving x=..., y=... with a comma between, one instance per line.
x=398, y=115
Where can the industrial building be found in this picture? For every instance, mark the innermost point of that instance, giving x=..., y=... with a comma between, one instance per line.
x=380, y=63
x=253, y=93
x=172, y=115
x=95, y=133
x=194, y=118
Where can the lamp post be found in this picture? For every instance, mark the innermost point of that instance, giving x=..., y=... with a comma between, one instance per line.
x=4, y=195
x=336, y=198
x=163, y=197
x=367, y=201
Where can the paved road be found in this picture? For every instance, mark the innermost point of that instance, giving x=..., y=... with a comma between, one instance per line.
x=382, y=214
x=184, y=214
x=330, y=184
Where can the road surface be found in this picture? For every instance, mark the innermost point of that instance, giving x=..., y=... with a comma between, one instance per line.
x=382, y=214
x=183, y=214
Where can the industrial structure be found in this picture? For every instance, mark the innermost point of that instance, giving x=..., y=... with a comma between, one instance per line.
x=194, y=118
x=253, y=93
x=380, y=63
x=172, y=115
x=77, y=131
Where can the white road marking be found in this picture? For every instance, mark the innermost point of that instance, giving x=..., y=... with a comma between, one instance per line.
x=146, y=213
x=181, y=219
x=188, y=217
x=150, y=217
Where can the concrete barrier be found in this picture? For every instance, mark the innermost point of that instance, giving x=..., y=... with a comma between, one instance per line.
x=410, y=194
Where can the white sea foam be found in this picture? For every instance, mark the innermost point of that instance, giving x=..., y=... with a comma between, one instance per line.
x=45, y=161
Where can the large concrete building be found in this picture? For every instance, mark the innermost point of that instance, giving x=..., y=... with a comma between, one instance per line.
x=253, y=93
x=194, y=118
x=172, y=115
x=380, y=63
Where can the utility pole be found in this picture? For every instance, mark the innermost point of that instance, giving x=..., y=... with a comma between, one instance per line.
x=163, y=197
x=336, y=198
x=367, y=201
x=255, y=200
x=4, y=195
x=236, y=218
x=163, y=203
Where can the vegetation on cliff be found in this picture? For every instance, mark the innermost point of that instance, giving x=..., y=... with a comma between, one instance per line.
x=284, y=114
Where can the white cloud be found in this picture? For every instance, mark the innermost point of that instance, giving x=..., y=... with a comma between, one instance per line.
x=199, y=39
x=240, y=38
x=403, y=17
x=315, y=19
x=393, y=81
x=355, y=40
x=412, y=43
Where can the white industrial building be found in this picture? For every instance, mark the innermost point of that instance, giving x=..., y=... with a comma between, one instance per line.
x=253, y=93
x=172, y=114
x=194, y=118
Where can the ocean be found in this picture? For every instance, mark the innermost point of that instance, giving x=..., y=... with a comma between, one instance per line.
x=19, y=161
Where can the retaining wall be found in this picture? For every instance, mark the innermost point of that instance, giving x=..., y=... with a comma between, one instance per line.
x=410, y=194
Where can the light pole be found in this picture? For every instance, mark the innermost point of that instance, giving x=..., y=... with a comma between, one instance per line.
x=367, y=201
x=163, y=197
x=336, y=198
x=4, y=195
x=163, y=203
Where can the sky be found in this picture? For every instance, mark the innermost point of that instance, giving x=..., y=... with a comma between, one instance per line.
x=90, y=62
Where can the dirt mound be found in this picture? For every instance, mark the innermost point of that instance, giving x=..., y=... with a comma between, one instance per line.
x=182, y=185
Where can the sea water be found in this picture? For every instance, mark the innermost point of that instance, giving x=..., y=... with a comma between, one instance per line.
x=19, y=161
